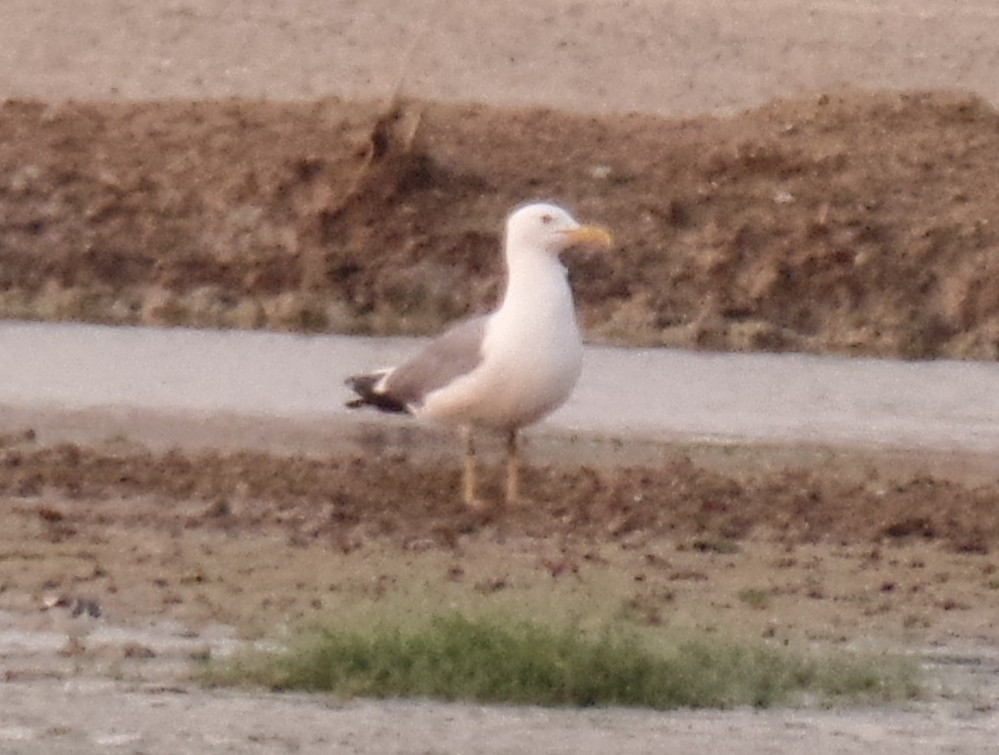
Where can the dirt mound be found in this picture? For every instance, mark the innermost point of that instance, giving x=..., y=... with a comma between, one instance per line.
x=852, y=222
x=346, y=500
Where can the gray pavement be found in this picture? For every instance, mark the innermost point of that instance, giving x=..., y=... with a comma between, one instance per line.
x=631, y=394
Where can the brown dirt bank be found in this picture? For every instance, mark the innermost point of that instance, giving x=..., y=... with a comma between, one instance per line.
x=852, y=222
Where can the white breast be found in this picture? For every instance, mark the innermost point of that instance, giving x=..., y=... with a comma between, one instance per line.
x=533, y=356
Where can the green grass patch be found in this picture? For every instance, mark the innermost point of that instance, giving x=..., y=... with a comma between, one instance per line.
x=454, y=658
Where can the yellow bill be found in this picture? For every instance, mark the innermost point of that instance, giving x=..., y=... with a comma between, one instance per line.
x=590, y=235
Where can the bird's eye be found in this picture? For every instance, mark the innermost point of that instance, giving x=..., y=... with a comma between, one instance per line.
x=546, y=219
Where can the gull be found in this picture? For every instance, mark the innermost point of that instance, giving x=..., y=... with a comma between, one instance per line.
x=505, y=370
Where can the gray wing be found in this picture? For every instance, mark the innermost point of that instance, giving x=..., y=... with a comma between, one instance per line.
x=454, y=353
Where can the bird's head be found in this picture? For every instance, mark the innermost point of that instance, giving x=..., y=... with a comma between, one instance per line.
x=550, y=228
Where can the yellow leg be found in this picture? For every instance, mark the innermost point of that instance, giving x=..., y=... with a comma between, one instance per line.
x=468, y=481
x=512, y=469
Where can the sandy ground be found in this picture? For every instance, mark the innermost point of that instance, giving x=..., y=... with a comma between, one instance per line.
x=682, y=57
x=186, y=550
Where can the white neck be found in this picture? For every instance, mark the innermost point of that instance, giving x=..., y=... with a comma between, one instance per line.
x=538, y=278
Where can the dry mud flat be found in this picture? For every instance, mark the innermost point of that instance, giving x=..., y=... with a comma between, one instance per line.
x=174, y=722
x=173, y=546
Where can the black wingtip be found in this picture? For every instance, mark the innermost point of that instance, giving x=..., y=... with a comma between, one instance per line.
x=364, y=387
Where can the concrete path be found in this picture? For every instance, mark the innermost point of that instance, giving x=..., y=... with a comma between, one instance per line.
x=638, y=394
